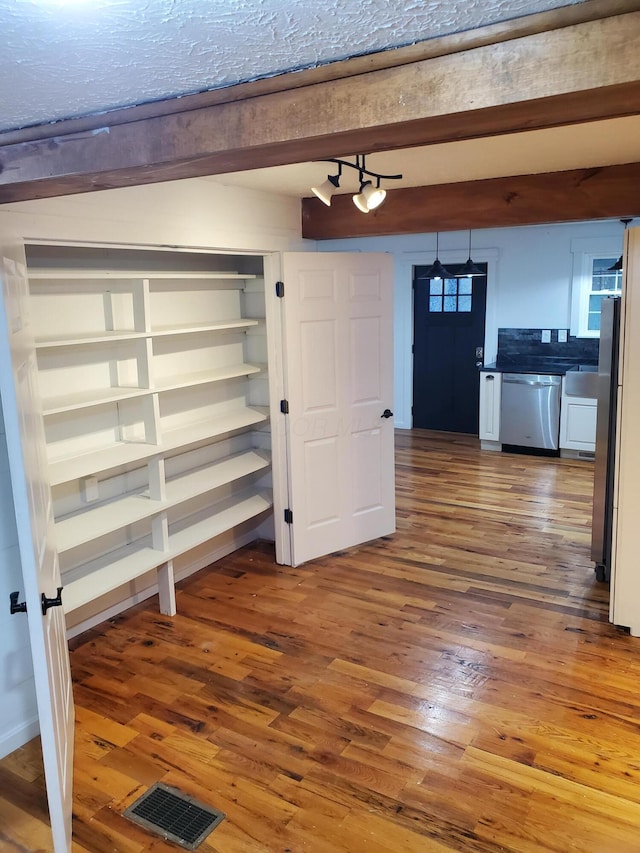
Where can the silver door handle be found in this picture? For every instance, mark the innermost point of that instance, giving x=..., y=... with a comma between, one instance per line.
x=531, y=384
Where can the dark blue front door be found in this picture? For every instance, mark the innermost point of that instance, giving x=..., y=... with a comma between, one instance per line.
x=448, y=327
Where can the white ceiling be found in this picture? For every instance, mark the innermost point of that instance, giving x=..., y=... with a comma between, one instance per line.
x=603, y=143
x=65, y=58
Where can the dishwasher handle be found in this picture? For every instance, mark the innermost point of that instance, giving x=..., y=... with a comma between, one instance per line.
x=532, y=383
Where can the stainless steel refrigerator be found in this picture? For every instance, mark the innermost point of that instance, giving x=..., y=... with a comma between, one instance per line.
x=602, y=522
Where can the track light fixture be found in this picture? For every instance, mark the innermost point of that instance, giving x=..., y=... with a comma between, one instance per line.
x=369, y=195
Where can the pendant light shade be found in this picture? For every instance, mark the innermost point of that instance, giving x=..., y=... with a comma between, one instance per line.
x=469, y=269
x=437, y=270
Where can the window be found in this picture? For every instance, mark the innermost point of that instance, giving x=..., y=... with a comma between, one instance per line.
x=604, y=282
x=593, y=279
x=450, y=295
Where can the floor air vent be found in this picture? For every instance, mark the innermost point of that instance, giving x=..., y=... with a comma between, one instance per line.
x=173, y=815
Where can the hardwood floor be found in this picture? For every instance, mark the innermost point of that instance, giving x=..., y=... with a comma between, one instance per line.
x=455, y=687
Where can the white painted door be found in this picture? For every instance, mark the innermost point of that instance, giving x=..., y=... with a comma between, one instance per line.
x=34, y=519
x=338, y=321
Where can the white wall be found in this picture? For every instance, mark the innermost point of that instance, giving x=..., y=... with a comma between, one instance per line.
x=529, y=282
x=18, y=713
x=194, y=213
x=198, y=213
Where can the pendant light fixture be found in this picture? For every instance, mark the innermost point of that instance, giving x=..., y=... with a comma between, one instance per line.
x=617, y=267
x=469, y=269
x=436, y=270
x=368, y=197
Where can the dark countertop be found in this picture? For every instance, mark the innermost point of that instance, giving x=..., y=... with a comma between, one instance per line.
x=552, y=367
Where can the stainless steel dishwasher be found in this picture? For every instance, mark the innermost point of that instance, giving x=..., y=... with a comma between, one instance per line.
x=530, y=410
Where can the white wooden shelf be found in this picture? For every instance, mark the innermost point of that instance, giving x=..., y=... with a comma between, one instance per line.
x=73, y=273
x=205, y=377
x=89, y=399
x=222, y=326
x=98, y=521
x=115, y=336
x=192, y=531
x=84, y=584
x=203, y=430
x=105, y=337
x=125, y=453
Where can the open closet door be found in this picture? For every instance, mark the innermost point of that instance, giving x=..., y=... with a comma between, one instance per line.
x=338, y=330
x=34, y=520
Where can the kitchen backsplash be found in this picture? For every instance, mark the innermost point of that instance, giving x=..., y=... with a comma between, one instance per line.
x=521, y=344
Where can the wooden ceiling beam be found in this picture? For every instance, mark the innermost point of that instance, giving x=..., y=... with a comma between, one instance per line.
x=599, y=193
x=574, y=74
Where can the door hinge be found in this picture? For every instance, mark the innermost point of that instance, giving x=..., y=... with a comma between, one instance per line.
x=17, y=606
x=288, y=516
x=413, y=349
x=51, y=602
x=284, y=407
x=280, y=288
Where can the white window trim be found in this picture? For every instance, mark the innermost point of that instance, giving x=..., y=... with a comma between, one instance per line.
x=585, y=251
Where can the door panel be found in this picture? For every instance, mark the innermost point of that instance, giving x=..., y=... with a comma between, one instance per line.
x=368, y=484
x=318, y=357
x=34, y=521
x=449, y=325
x=338, y=325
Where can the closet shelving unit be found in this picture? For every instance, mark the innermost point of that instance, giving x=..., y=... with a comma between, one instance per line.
x=155, y=406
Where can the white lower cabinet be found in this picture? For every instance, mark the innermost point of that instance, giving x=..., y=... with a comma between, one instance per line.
x=578, y=423
x=490, y=393
x=155, y=406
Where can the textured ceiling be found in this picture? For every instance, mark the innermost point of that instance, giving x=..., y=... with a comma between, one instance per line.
x=65, y=58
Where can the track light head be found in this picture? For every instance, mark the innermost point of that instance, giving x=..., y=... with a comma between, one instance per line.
x=360, y=202
x=374, y=195
x=327, y=189
x=369, y=197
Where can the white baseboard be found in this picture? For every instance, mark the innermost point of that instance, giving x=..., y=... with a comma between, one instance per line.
x=586, y=455
x=18, y=736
